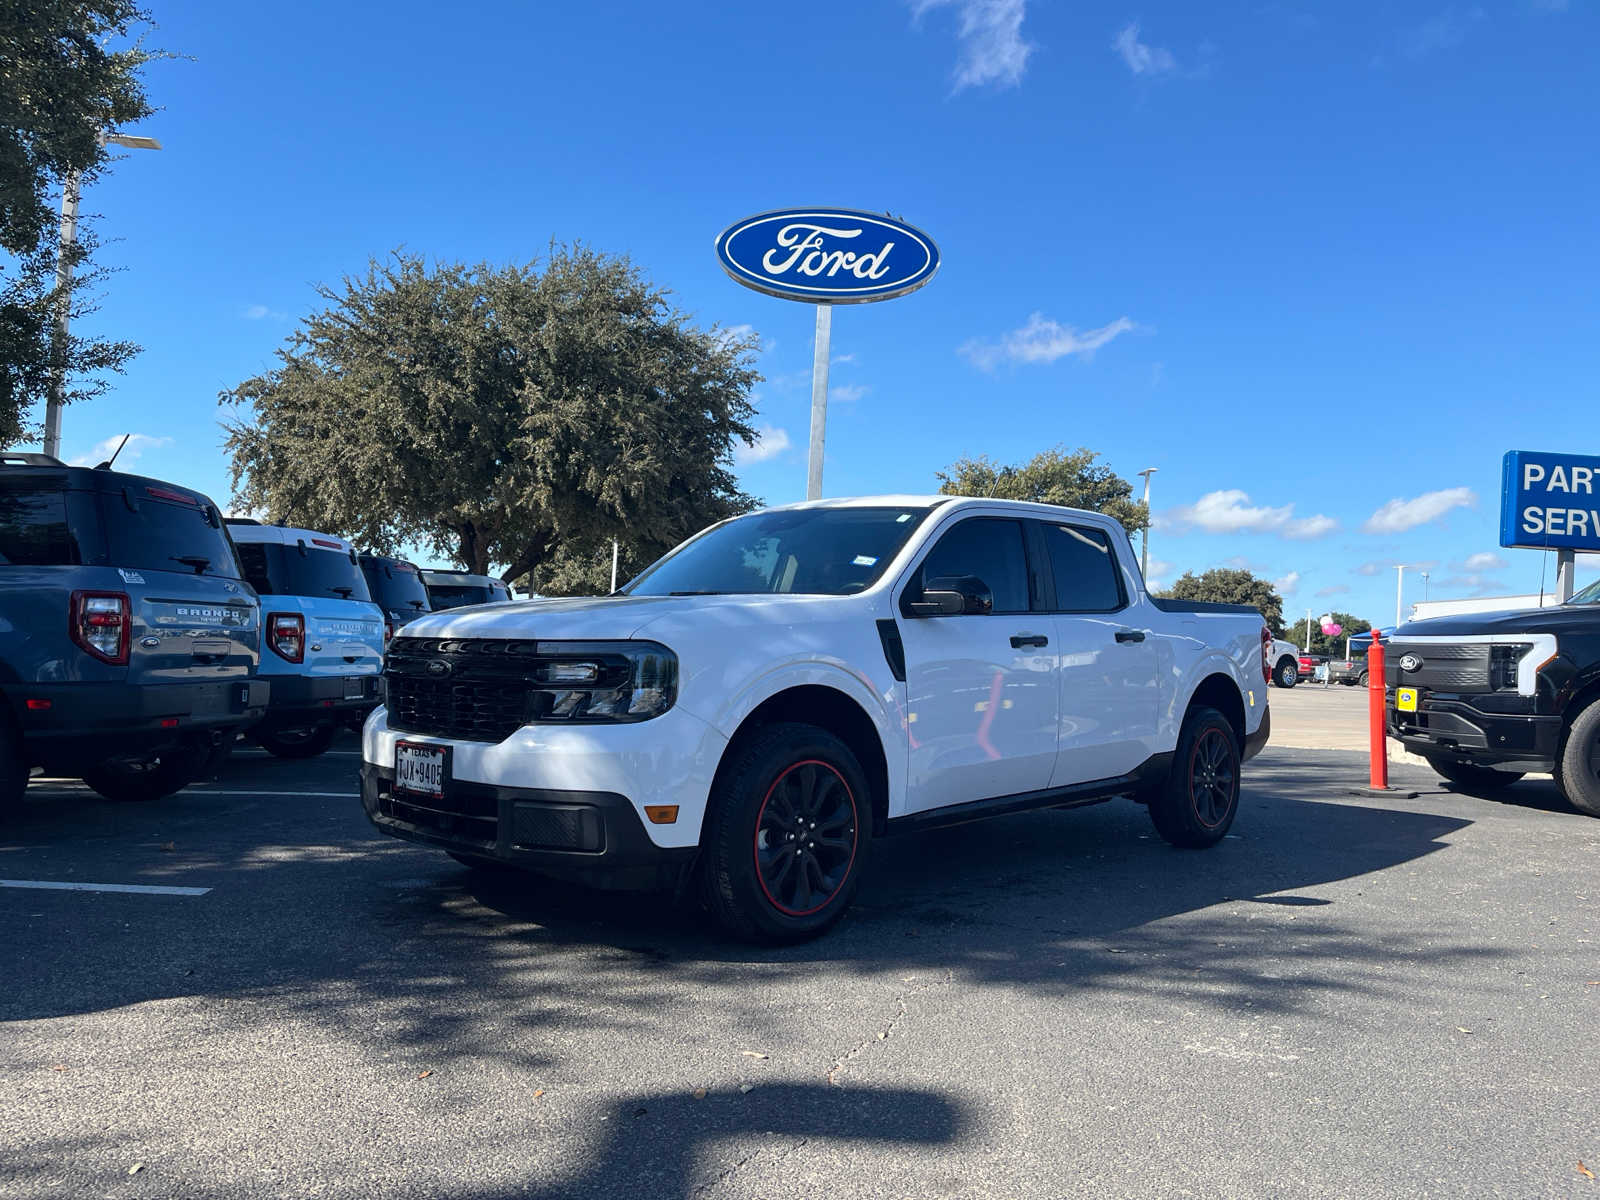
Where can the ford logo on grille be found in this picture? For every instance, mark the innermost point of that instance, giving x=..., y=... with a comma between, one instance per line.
x=438, y=668
x=1409, y=663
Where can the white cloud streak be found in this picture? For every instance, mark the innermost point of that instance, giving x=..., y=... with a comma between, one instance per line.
x=1337, y=589
x=1486, y=561
x=260, y=312
x=1142, y=59
x=1230, y=511
x=138, y=443
x=1042, y=340
x=1399, y=515
x=847, y=393
x=1286, y=585
x=770, y=442
x=993, y=50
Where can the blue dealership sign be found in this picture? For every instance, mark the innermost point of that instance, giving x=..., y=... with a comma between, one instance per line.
x=827, y=255
x=1550, y=501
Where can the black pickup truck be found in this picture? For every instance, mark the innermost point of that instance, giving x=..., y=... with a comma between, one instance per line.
x=1487, y=698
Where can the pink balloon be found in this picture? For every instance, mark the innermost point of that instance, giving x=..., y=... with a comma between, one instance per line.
x=1332, y=630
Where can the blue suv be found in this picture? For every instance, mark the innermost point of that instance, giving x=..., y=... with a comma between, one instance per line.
x=129, y=640
x=322, y=641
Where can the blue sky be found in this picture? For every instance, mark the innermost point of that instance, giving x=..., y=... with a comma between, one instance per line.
x=1321, y=268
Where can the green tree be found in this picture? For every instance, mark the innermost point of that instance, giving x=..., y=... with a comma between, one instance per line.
x=63, y=84
x=1227, y=585
x=1060, y=476
x=1320, y=642
x=518, y=417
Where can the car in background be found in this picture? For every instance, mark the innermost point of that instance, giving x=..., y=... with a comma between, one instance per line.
x=457, y=589
x=397, y=588
x=129, y=639
x=322, y=634
x=1284, y=658
x=1351, y=672
x=1309, y=664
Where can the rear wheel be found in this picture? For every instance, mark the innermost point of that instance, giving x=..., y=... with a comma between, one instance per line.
x=1361, y=679
x=297, y=743
x=785, y=835
x=1470, y=779
x=1201, y=795
x=1578, y=769
x=1287, y=673
x=137, y=781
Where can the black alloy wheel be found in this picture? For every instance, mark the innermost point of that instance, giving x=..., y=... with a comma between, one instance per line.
x=1213, y=777
x=297, y=743
x=806, y=835
x=1200, y=798
x=1578, y=766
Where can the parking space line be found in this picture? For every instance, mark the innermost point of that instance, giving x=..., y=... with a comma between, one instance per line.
x=141, y=889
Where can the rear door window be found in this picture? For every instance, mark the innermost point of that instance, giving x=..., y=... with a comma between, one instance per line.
x=1084, y=568
x=153, y=529
x=33, y=527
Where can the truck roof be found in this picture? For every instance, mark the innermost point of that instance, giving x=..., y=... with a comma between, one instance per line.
x=934, y=501
x=285, y=535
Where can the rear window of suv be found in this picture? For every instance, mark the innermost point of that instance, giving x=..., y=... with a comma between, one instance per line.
x=33, y=527
x=158, y=534
x=396, y=587
x=281, y=570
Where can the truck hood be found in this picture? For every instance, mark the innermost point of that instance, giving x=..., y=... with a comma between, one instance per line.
x=1575, y=617
x=610, y=618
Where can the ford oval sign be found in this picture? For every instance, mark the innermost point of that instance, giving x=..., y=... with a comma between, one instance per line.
x=827, y=255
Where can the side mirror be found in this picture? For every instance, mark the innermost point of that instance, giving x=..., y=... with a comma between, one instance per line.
x=952, y=596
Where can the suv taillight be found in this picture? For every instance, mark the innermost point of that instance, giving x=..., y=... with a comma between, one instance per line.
x=286, y=635
x=388, y=631
x=1266, y=655
x=102, y=623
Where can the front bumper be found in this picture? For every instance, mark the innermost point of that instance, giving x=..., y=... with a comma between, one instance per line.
x=79, y=722
x=594, y=838
x=1453, y=726
x=301, y=700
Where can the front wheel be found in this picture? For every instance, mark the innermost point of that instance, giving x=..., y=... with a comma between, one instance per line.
x=297, y=743
x=785, y=835
x=1287, y=673
x=1201, y=795
x=1578, y=769
x=1472, y=780
x=131, y=781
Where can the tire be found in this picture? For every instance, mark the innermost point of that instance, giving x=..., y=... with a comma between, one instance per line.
x=1578, y=768
x=1472, y=780
x=1201, y=796
x=1287, y=673
x=785, y=782
x=127, y=781
x=1361, y=679
x=13, y=770
x=297, y=743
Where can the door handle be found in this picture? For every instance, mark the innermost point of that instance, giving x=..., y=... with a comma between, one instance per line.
x=1130, y=635
x=1019, y=640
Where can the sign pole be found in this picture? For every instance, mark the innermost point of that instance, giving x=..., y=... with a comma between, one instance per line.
x=819, y=399
x=1566, y=567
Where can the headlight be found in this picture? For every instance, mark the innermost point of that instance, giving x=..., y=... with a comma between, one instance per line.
x=603, y=681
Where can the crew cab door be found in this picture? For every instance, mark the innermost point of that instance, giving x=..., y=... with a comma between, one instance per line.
x=982, y=694
x=1110, y=688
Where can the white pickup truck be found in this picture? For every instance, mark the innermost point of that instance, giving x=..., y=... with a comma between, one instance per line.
x=762, y=703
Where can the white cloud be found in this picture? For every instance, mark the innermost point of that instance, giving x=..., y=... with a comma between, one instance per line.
x=1042, y=340
x=260, y=312
x=1143, y=59
x=138, y=443
x=1285, y=585
x=1487, y=561
x=1158, y=573
x=990, y=33
x=840, y=360
x=1337, y=589
x=847, y=393
x=1443, y=31
x=729, y=334
x=770, y=442
x=1399, y=515
x=1230, y=511
x=1369, y=569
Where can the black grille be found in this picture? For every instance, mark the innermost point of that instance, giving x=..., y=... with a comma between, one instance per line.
x=465, y=689
x=1445, y=668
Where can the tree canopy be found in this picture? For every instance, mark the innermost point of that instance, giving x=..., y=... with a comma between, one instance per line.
x=1060, y=476
x=1228, y=585
x=516, y=417
x=63, y=84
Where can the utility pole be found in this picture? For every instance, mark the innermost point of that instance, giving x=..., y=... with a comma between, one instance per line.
x=69, y=239
x=1144, y=538
x=614, y=553
x=1566, y=568
x=821, y=348
x=1424, y=587
x=1399, y=589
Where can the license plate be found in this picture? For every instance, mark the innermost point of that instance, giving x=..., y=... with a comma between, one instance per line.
x=355, y=687
x=419, y=770
x=1405, y=699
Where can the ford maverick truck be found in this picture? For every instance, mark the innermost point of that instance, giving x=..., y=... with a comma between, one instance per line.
x=759, y=706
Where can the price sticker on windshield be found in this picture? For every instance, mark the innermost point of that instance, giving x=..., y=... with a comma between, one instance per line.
x=1405, y=699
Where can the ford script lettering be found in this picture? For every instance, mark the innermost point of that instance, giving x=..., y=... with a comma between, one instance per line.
x=827, y=256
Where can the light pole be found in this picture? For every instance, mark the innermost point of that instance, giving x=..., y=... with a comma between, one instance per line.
x=1399, y=590
x=1144, y=538
x=1424, y=587
x=69, y=238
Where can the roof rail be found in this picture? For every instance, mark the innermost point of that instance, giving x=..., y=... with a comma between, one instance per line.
x=240, y=521
x=20, y=458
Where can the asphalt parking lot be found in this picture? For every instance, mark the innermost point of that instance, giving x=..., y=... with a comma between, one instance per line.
x=1348, y=997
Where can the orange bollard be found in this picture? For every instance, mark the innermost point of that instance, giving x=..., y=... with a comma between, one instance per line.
x=1377, y=716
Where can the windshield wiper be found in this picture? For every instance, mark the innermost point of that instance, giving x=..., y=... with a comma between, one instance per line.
x=192, y=560
x=344, y=593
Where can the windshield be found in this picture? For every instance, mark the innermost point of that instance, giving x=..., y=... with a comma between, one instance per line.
x=1589, y=595
x=396, y=587
x=796, y=551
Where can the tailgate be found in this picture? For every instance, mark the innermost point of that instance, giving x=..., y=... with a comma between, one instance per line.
x=343, y=637
x=190, y=628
